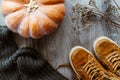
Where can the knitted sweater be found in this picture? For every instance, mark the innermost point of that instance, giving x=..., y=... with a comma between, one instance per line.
x=24, y=63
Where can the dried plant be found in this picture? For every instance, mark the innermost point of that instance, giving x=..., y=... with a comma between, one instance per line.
x=90, y=15
x=113, y=14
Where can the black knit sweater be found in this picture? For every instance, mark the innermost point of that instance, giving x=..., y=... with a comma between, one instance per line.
x=24, y=63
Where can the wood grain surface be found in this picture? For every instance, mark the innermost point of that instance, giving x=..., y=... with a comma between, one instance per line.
x=56, y=47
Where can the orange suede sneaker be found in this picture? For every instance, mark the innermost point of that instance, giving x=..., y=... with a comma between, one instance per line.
x=87, y=67
x=108, y=53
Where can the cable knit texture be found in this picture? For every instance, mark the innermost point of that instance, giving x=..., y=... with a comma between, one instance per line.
x=24, y=63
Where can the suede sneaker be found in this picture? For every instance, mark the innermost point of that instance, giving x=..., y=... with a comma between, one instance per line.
x=108, y=53
x=87, y=67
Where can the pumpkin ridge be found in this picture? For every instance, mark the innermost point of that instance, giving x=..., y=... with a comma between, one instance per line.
x=50, y=2
x=54, y=6
x=50, y=19
x=7, y=9
x=50, y=15
x=18, y=1
x=21, y=31
x=21, y=21
x=37, y=31
x=41, y=26
x=16, y=25
x=55, y=24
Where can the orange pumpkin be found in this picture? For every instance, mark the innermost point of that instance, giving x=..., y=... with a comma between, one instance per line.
x=33, y=18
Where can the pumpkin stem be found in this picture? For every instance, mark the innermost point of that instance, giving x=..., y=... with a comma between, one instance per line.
x=31, y=6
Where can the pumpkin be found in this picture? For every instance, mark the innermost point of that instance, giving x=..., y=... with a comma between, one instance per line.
x=33, y=18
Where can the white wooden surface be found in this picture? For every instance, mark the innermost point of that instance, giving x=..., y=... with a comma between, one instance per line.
x=56, y=47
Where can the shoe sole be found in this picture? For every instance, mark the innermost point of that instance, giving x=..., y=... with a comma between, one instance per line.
x=100, y=38
x=71, y=52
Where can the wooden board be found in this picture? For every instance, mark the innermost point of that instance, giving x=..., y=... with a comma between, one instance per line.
x=56, y=47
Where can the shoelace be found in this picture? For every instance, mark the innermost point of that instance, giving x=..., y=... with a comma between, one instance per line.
x=93, y=72
x=114, y=59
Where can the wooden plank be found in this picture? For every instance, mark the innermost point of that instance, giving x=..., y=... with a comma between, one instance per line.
x=113, y=31
x=56, y=47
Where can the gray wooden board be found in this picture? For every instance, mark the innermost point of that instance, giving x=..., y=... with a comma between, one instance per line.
x=56, y=47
